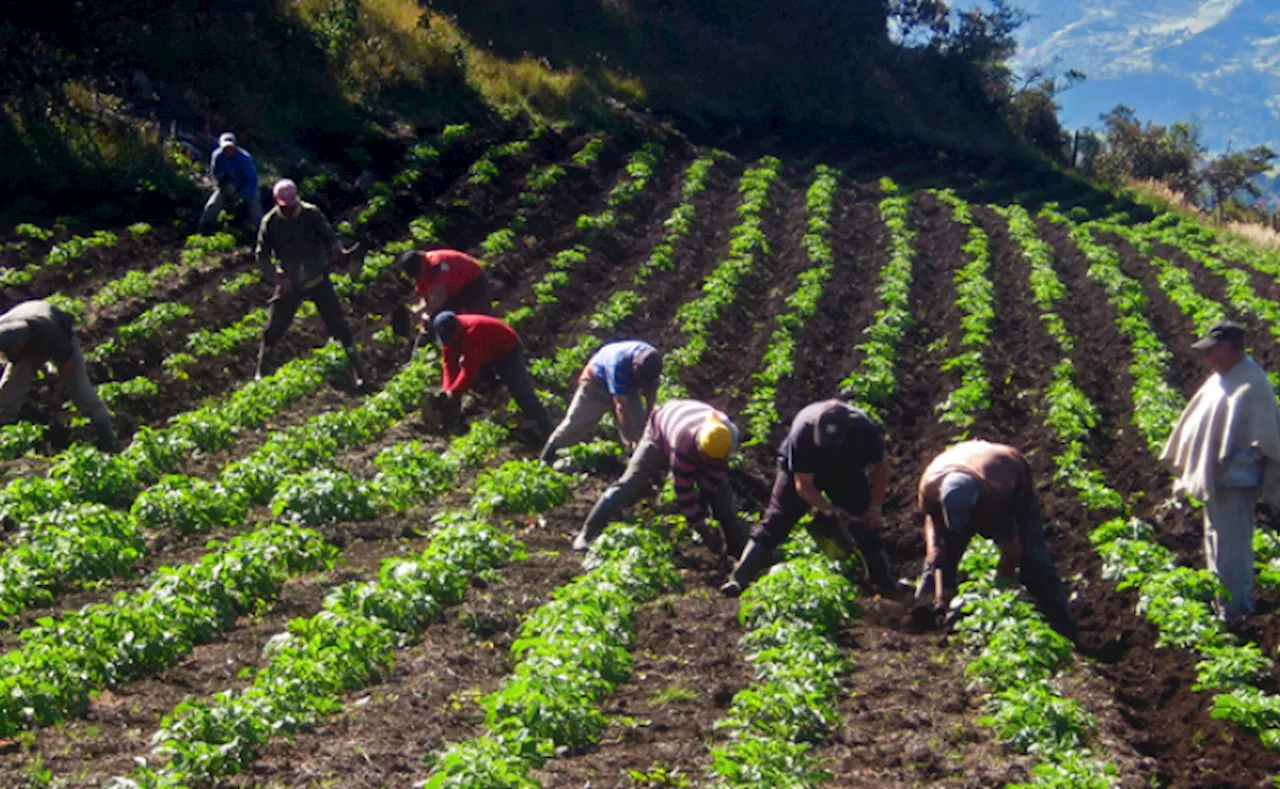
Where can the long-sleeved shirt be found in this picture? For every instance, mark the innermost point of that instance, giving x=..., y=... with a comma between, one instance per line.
x=479, y=341
x=49, y=331
x=450, y=268
x=303, y=244
x=238, y=168
x=675, y=427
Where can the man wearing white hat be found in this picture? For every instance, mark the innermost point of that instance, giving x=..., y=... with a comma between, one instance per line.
x=233, y=171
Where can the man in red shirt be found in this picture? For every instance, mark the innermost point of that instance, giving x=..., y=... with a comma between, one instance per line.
x=471, y=342
x=445, y=279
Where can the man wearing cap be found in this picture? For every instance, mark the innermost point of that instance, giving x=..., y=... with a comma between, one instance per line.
x=447, y=280
x=304, y=246
x=33, y=333
x=470, y=343
x=1225, y=451
x=978, y=487
x=232, y=169
x=622, y=375
x=694, y=440
x=832, y=461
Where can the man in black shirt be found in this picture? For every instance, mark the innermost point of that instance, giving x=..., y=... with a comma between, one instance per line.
x=35, y=332
x=823, y=465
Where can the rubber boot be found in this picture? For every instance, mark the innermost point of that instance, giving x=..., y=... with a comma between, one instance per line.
x=755, y=558
x=735, y=536
x=878, y=569
x=359, y=373
x=601, y=514
x=106, y=438
x=264, y=362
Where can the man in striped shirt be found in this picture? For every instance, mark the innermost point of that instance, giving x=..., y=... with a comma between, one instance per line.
x=695, y=441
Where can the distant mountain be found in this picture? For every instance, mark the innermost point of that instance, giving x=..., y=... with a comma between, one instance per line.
x=1215, y=60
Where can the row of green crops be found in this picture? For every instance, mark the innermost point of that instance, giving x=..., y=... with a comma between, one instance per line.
x=748, y=244
x=779, y=360
x=1016, y=657
x=350, y=644
x=1069, y=412
x=1176, y=600
x=62, y=254
x=417, y=159
x=793, y=616
x=610, y=313
x=1157, y=405
x=60, y=663
x=538, y=184
x=640, y=170
x=144, y=328
x=570, y=653
x=77, y=542
x=975, y=296
x=874, y=381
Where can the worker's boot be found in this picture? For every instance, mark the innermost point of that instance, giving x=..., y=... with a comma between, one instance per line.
x=264, y=367
x=601, y=514
x=359, y=373
x=878, y=569
x=755, y=558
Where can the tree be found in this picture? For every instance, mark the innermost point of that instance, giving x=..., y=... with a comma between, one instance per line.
x=1134, y=150
x=1231, y=173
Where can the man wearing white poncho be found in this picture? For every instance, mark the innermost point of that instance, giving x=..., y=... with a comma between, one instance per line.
x=1226, y=451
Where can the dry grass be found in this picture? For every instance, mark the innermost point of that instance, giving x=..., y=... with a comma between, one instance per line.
x=1258, y=235
x=1158, y=192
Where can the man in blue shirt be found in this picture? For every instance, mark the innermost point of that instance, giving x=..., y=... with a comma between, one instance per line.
x=232, y=170
x=622, y=376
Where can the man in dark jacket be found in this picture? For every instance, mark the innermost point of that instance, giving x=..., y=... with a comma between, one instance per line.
x=36, y=332
x=823, y=466
x=304, y=246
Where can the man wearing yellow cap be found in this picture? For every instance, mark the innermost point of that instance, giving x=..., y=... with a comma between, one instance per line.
x=695, y=441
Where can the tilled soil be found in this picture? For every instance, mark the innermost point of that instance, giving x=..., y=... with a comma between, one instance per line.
x=909, y=715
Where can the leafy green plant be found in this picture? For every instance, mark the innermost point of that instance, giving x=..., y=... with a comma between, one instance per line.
x=322, y=496
x=524, y=487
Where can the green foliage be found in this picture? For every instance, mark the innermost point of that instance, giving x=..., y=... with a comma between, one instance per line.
x=874, y=382
x=322, y=496
x=188, y=504
x=240, y=281
x=589, y=155
x=411, y=474
x=520, y=487
x=33, y=232
x=498, y=242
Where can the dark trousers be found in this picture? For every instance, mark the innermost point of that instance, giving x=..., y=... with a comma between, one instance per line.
x=475, y=298
x=786, y=508
x=514, y=373
x=326, y=301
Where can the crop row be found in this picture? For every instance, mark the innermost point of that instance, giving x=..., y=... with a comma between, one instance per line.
x=779, y=360
x=351, y=643
x=570, y=653
x=622, y=304
x=793, y=617
x=874, y=381
x=640, y=170
x=62, y=254
x=747, y=245
x=975, y=296
x=1176, y=600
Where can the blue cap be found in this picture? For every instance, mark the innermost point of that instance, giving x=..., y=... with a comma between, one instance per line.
x=959, y=495
x=446, y=326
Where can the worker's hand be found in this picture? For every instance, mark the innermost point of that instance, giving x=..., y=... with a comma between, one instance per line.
x=284, y=284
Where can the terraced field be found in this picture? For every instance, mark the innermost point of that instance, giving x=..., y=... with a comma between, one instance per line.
x=287, y=584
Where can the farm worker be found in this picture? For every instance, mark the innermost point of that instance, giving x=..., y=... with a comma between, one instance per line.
x=832, y=461
x=33, y=333
x=304, y=245
x=695, y=441
x=231, y=168
x=977, y=487
x=622, y=375
x=472, y=342
x=1225, y=450
x=447, y=280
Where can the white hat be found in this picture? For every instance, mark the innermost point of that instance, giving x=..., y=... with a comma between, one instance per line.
x=226, y=139
x=285, y=192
